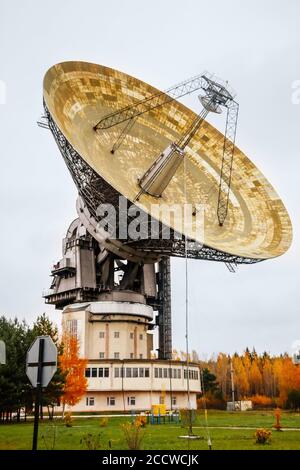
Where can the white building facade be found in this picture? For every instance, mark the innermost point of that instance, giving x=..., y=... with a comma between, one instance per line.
x=115, y=335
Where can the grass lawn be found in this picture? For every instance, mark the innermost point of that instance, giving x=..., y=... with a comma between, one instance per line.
x=160, y=437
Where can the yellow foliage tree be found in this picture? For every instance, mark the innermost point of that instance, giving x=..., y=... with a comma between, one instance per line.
x=74, y=369
x=240, y=377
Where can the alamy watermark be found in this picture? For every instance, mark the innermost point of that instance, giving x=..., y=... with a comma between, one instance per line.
x=131, y=222
x=295, y=98
x=3, y=93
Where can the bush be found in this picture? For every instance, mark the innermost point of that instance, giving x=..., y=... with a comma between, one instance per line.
x=263, y=436
x=262, y=401
x=141, y=421
x=212, y=403
x=68, y=420
x=91, y=441
x=134, y=435
x=103, y=422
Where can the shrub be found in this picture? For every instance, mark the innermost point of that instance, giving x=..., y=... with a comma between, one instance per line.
x=212, y=403
x=141, y=421
x=68, y=420
x=91, y=441
x=134, y=435
x=262, y=401
x=103, y=422
x=263, y=436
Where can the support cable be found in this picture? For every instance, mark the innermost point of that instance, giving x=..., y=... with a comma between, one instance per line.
x=187, y=312
x=187, y=331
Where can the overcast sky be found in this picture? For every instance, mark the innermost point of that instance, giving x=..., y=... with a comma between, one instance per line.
x=253, y=44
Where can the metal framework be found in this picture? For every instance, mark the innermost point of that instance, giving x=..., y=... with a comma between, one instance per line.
x=216, y=96
x=95, y=191
x=154, y=101
x=164, y=310
x=227, y=161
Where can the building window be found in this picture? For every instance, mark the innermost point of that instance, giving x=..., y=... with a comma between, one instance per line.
x=161, y=400
x=165, y=373
x=174, y=401
x=117, y=355
x=141, y=336
x=101, y=334
x=101, y=355
x=133, y=372
x=193, y=374
x=160, y=373
x=103, y=372
x=111, y=401
x=88, y=372
x=131, y=335
x=141, y=356
x=131, y=401
x=117, y=334
x=90, y=401
x=117, y=372
x=94, y=372
x=179, y=373
x=72, y=327
x=131, y=355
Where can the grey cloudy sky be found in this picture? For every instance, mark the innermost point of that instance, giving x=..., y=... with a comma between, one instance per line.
x=253, y=44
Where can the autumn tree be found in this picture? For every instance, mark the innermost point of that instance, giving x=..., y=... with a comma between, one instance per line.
x=240, y=377
x=74, y=369
x=222, y=371
x=255, y=378
x=288, y=377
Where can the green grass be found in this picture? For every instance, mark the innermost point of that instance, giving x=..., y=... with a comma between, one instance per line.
x=160, y=437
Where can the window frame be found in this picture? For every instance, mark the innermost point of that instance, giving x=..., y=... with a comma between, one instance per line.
x=131, y=401
x=111, y=401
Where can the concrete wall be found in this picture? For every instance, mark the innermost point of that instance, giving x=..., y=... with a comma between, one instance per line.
x=143, y=401
x=124, y=334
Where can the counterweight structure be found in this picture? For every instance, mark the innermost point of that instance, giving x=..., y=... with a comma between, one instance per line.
x=87, y=272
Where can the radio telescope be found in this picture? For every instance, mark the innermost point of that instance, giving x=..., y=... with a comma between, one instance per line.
x=121, y=137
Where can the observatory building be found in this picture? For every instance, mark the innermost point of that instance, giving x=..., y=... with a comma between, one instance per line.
x=112, y=308
x=124, y=141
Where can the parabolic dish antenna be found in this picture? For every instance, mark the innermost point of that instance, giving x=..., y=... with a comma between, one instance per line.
x=77, y=95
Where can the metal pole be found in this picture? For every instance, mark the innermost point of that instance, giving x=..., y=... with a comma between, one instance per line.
x=38, y=397
x=232, y=385
x=171, y=394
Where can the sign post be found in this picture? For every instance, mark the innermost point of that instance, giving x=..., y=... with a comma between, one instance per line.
x=41, y=365
x=38, y=397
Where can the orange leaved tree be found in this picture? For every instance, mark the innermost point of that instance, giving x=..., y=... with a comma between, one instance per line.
x=74, y=369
